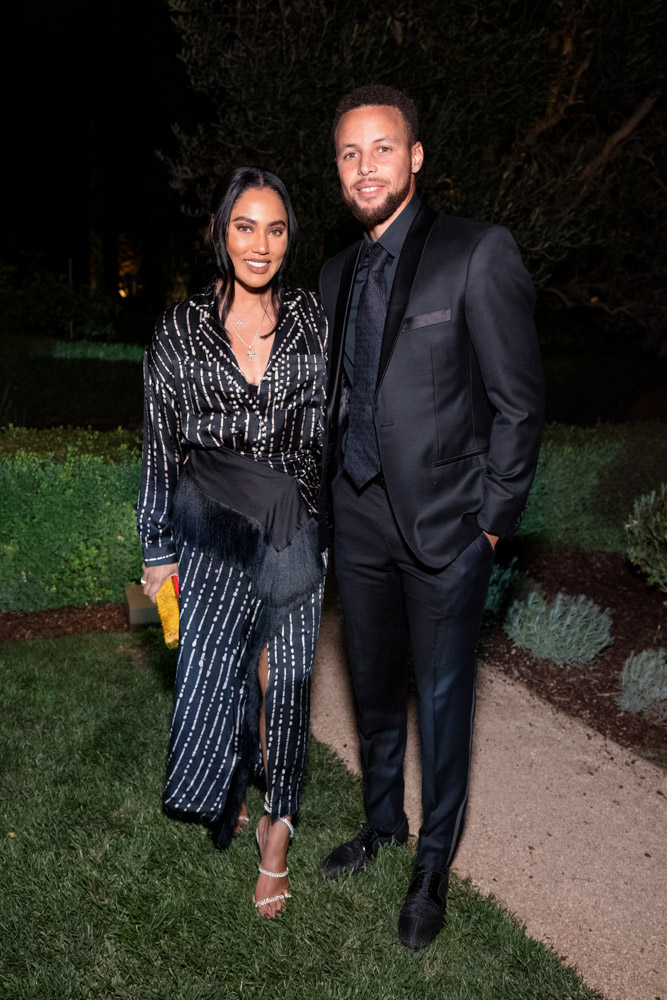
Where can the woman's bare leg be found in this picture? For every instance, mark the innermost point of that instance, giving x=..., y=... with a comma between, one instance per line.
x=273, y=838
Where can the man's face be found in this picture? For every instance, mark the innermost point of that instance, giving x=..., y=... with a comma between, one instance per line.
x=376, y=164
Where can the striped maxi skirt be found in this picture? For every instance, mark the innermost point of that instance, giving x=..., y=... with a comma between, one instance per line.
x=214, y=743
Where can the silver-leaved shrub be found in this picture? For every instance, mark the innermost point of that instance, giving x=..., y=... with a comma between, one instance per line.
x=644, y=683
x=568, y=630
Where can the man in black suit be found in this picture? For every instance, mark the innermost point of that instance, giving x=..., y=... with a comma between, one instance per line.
x=434, y=418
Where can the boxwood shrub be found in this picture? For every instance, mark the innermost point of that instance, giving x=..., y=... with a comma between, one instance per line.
x=67, y=520
x=67, y=495
x=588, y=478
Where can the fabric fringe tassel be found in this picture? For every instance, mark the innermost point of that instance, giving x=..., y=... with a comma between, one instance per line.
x=282, y=579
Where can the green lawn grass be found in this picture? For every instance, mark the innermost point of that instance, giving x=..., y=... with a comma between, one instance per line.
x=102, y=896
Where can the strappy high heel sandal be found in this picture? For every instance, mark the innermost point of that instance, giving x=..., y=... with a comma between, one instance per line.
x=281, y=897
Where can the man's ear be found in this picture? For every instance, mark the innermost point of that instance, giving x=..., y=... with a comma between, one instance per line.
x=417, y=157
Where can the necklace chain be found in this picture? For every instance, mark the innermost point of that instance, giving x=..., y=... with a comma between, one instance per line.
x=250, y=354
x=239, y=322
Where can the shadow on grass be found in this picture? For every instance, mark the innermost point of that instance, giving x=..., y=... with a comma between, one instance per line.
x=154, y=652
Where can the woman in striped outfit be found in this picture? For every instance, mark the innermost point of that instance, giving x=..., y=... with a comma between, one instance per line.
x=234, y=391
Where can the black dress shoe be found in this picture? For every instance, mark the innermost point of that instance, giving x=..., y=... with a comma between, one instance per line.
x=423, y=912
x=351, y=857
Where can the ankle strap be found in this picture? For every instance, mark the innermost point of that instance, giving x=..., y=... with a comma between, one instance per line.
x=264, y=871
x=281, y=819
x=284, y=819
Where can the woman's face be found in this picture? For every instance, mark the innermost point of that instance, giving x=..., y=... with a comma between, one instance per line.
x=257, y=237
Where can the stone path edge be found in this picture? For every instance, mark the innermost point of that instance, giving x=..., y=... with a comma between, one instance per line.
x=565, y=828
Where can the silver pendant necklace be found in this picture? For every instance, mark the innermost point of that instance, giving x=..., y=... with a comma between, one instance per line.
x=239, y=322
x=250, y=354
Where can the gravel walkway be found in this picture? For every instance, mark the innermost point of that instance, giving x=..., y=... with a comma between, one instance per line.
x=567, y=829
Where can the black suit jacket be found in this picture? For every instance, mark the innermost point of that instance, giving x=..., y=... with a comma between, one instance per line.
x=459, y=397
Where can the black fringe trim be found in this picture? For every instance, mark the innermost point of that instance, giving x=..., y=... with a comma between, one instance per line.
x=282, y=579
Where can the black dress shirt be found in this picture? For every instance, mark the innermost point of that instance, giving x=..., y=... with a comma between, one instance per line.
x=196, y=396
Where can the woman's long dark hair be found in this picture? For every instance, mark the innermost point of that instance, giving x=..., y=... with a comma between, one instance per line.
x=223, y=199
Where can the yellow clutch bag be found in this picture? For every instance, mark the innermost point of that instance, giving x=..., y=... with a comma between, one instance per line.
x=167, y=606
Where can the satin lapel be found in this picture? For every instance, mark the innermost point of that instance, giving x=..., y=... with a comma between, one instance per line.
x=342, y=309
x=404, y=279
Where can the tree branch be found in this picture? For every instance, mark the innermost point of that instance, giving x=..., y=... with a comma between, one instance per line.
x=555, y=111
x=558, y=105
x=614, y=140
x=593, y=303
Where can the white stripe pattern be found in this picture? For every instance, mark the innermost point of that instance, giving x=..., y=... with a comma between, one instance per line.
x=196, y=395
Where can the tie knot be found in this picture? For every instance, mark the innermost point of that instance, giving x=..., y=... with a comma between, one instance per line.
x=377, y=258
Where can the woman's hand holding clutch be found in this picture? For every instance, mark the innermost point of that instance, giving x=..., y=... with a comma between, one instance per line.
x=154, y=577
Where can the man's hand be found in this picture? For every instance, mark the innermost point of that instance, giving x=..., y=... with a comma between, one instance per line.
x=154, y=577
x=493, y=539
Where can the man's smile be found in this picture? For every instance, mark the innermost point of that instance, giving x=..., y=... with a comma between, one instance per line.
x=369, y=189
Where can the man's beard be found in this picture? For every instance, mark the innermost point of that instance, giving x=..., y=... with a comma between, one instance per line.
x=375, y=215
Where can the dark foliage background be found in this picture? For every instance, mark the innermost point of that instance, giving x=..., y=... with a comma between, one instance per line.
x=544, y=116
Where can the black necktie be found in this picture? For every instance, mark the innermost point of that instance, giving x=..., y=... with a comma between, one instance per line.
x=362, y=458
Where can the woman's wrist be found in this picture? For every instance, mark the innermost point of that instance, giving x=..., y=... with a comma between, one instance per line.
x=154, y=577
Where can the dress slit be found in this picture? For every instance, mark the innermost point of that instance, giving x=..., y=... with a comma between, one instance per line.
x=215, y=745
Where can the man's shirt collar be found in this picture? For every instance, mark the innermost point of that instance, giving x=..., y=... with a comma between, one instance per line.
x=393, y=237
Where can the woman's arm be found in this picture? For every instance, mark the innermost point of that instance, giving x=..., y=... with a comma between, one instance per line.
x=162, y=450
x=323, y=345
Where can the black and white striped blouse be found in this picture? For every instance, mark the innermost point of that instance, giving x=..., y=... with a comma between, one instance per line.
x=196, y=394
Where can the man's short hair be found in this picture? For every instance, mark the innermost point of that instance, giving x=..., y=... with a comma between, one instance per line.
x=380, y=95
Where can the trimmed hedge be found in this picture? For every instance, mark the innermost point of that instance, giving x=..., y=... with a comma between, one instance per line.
x=588, y=478
x=18, y=349
x=57, y=444
x=67, y=495
x=67, y=521
x=95, y=350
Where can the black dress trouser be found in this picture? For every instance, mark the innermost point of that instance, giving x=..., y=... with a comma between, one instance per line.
x=392, y=602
